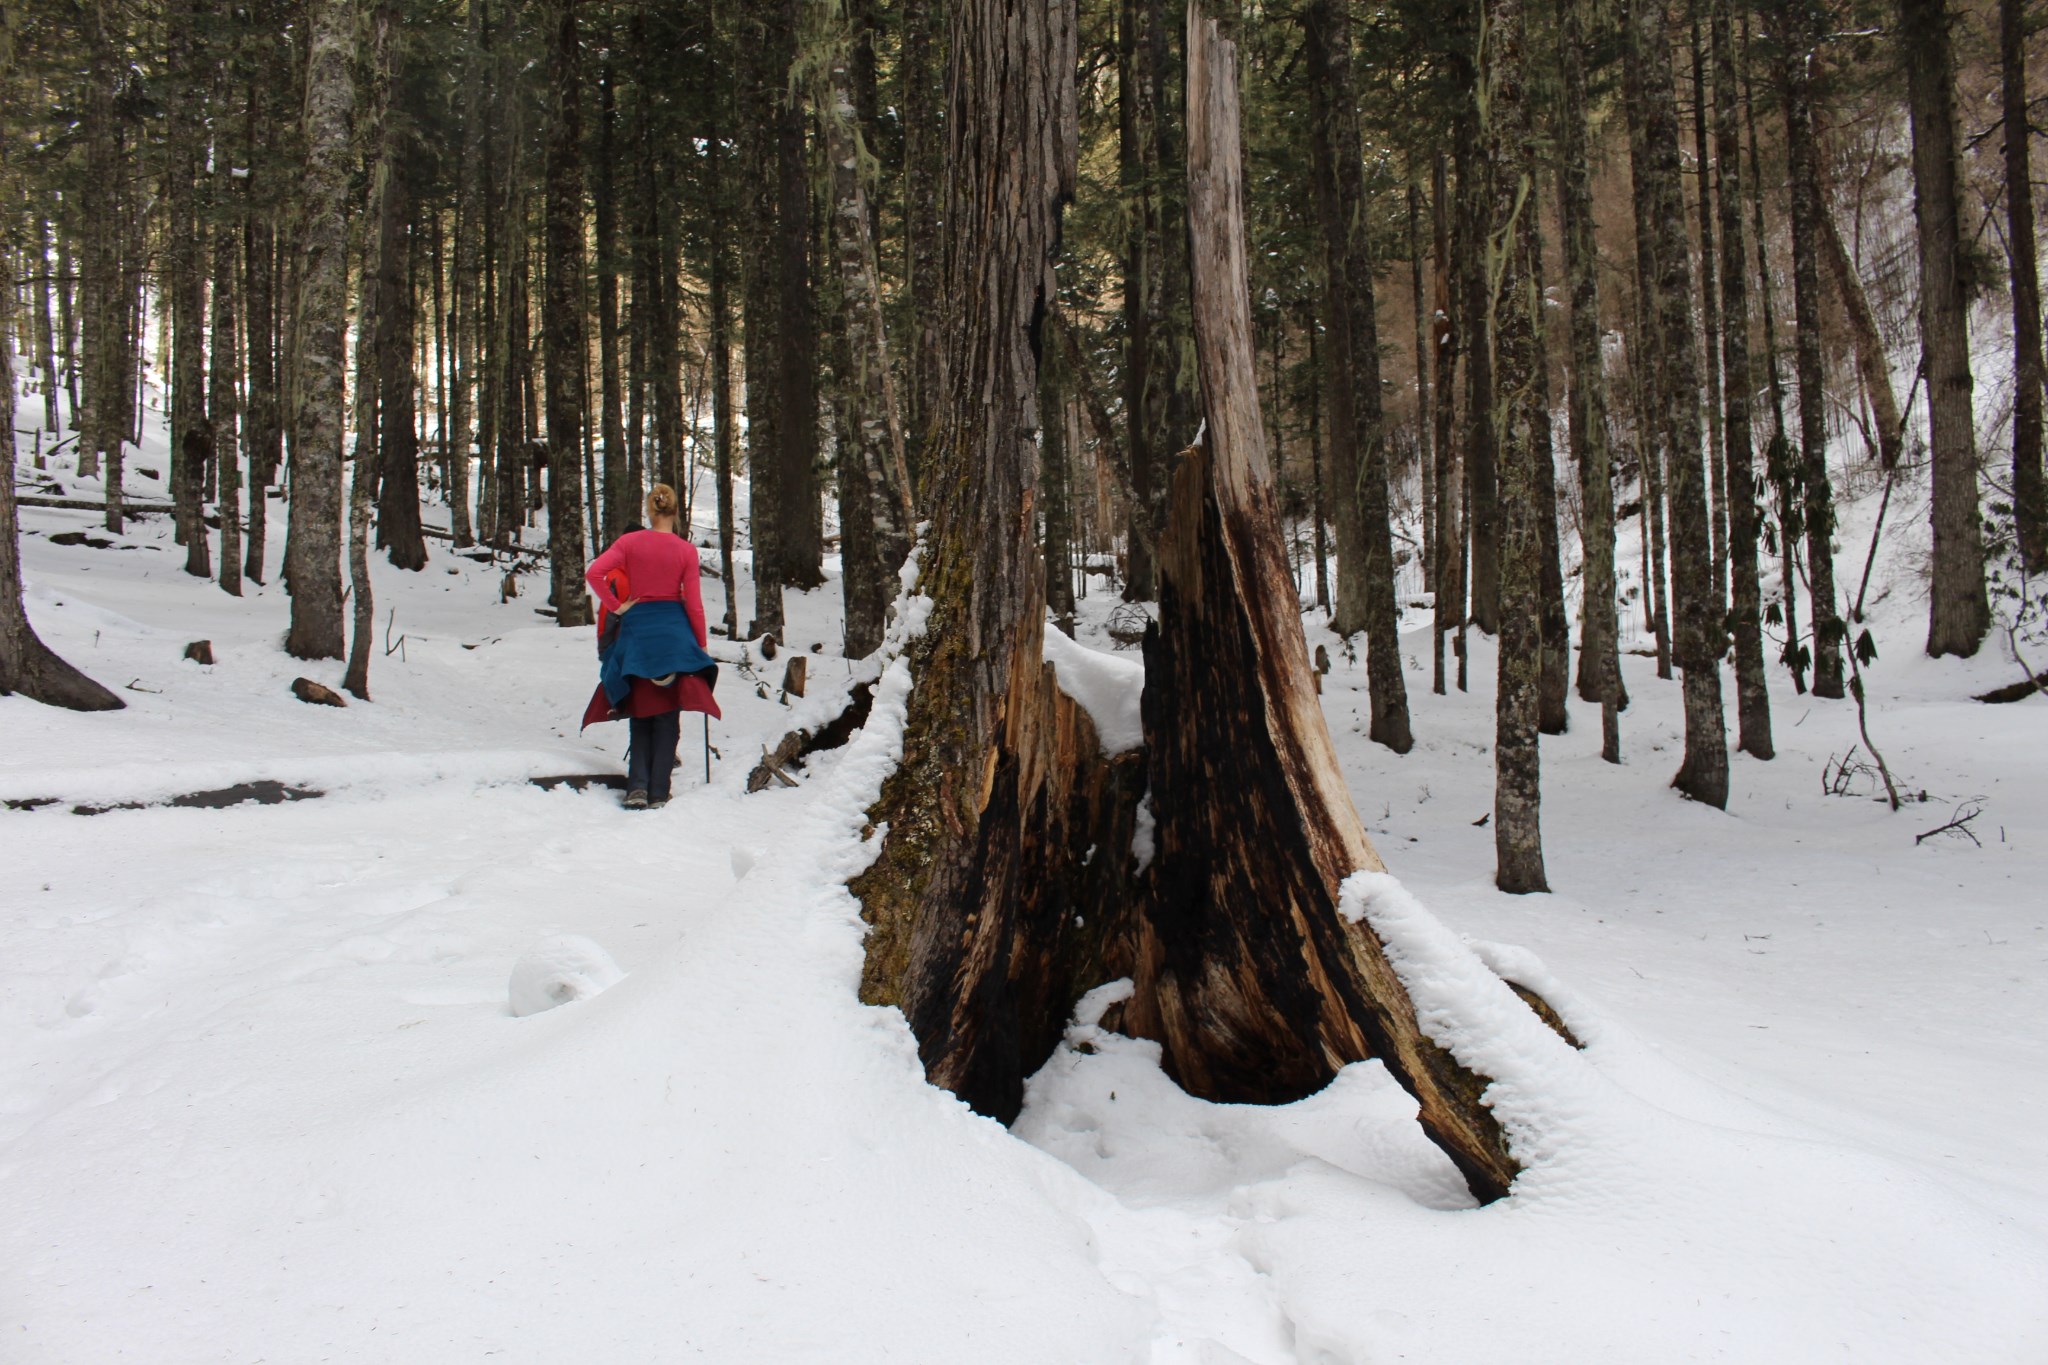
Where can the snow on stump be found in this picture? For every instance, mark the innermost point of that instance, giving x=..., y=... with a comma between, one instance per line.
x=560, y=969
x=312, y=693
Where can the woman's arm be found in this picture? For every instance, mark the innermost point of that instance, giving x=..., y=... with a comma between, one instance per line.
x=693, y=595
x=614, y=558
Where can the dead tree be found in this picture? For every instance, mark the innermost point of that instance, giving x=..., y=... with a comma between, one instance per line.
x=988, y=917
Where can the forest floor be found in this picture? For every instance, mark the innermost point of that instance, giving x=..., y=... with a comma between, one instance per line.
x=262, y=1097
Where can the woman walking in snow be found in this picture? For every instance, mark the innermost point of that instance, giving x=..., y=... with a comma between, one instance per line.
x=656, y=664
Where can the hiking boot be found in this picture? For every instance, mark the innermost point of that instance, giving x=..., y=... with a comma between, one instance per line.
x=656, y=802
x=636, y=800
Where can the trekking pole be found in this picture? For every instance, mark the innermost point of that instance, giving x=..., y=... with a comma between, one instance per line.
x=707, y=748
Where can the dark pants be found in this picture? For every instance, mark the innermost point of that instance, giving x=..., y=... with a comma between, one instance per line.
x=651, y=756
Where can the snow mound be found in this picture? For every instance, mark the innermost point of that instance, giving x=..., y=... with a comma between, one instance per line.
x=1104, y=686
x=560, y=969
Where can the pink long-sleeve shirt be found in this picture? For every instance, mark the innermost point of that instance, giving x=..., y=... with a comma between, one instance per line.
x=660, y=567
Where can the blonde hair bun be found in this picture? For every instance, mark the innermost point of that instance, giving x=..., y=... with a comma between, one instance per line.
x=661, y=501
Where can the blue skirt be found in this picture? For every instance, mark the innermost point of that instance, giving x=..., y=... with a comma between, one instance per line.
x=654, y=640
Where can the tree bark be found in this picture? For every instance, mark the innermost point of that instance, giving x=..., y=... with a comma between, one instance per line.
x=185, y=285
x=803, y=531
x=1055, y=409
x=1778, y=457
x=1134, y=179
x=45, y=327
x=222, y=402
x=397, y=472
x=27, y=665
x=1450, y=569
x=1873, y=365
x=981, y=904
x=1481, y=531
x=321, y=320
x=562, y=318
x=1256, y=987
x=620, y=494
x=923, y=171
x=1958, y=611
x=2029, y=490
x=1599, y=677
x=761, y=307
x=1710, y=318
x=873, y=473
x=375, y=334
x=1553, y=683
x=1424, y=454
x=1646, y=369
x=1512, y=259
x=263, y=436
x=1703, y=775
x=973, y=932
x=1745, y=615
x=1357, y=447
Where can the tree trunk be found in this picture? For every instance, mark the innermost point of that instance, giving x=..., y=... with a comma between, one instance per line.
x=471, y=214
x=263, y=437
x=721, y=373
x=1872, y=364
x=1703, y=775
x=27, y=665
x=872, y=474
x=513, y=362
x=1481, y=531
x=1599, y=677
x=1424, y=461
x=1254, y=983
x=1365, y=552
x=2029, y=492
x=923, y=170
x=1958, y=611
x=562, y=318
x=185, y=285
x=1745, y=616
x=67, y=328
x=983, y=912
x=396, y=481
x=1797, y=41
x=1450, y=568
x=377, y=297
x=313, y=550
x=1710, y=320
x=620, y=494
x=1778, y=456
x=1646, y=371
x=221, y=405
x=803, y=532
x=1554, y=678
x=45, y=328
x=974, y=933
x=1054, y=408
x=1135, y=175
x=1319, y=505
x=761, y=307
x=1515, y=308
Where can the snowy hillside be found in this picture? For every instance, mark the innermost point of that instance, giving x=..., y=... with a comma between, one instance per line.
x=263, y=1095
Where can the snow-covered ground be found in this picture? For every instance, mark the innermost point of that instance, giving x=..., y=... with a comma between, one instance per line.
x=263, y=1095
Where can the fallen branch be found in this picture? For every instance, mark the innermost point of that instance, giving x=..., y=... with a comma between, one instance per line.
x=1959, y=824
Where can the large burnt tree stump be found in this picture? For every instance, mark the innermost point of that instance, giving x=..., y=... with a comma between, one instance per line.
x=1005, y=885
